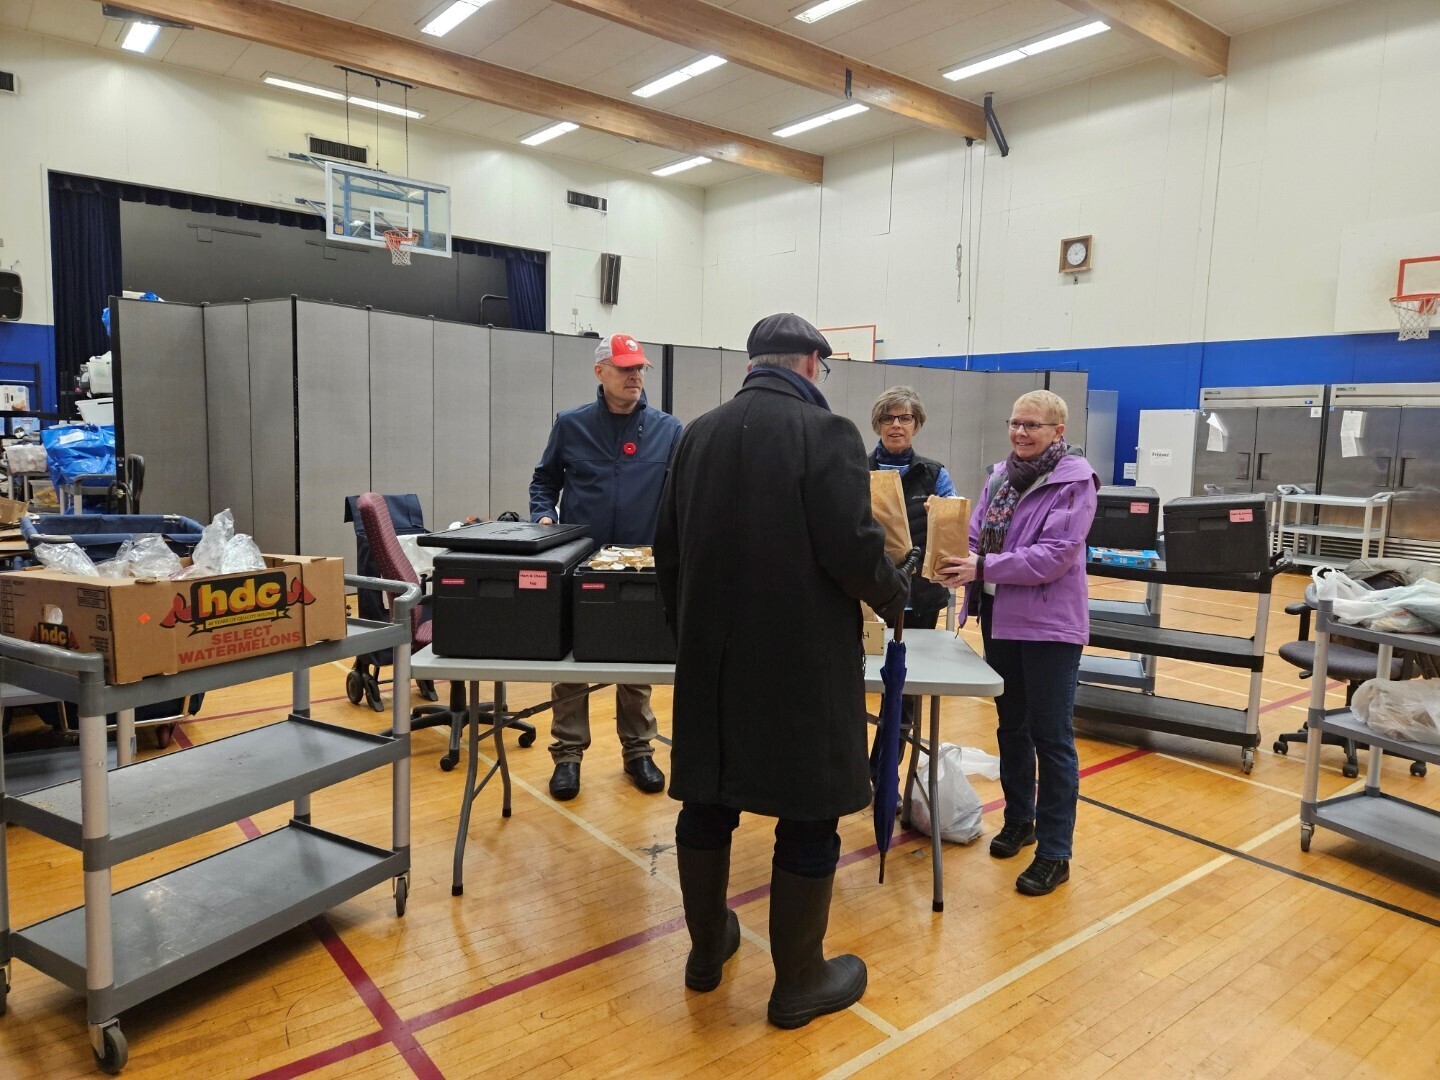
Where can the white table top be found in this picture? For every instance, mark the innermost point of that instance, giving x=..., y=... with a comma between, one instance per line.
x=937, y=662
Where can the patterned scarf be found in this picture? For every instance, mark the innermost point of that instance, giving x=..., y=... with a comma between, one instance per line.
x=1020, y=476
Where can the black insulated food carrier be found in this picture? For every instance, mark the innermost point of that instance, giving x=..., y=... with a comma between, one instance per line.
x=619, y=618
x=1217, y=534
x=1126, y=518
x=505, y=607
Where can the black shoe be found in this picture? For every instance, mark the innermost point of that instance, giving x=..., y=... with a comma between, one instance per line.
x=1042, y=875
x=806, y=984
x=644, y=775
x=714, y=928
x=565, y=781
x=1009, y=840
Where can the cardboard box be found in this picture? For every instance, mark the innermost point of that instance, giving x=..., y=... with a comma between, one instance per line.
x=146, y=627
x=874, y=631
x=12, y=511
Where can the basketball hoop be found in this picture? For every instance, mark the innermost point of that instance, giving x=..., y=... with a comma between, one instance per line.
x=401, y=241
x=1415, y=312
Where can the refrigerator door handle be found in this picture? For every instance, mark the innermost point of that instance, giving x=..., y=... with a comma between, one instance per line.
x=1400, y=484
x=1244, y=473
x=1389, y=461
x=1260, y=465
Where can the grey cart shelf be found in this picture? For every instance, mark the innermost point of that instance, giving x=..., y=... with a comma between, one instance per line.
x=1135, y=627
x=1302, y=539
x=1395, y=825
x=123, y=948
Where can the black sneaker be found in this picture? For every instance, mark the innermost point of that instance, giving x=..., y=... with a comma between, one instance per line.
x=565, y=781
x=644, y=774
x=1042, y=875
x=1009, y=840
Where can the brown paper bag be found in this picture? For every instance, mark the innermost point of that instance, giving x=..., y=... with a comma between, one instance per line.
x=887, y=503
x=947, y=533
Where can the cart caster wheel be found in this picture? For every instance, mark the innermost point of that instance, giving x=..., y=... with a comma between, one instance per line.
x=1350, y=770
x=117, y=1052
x=354, y=687
x=527, y=739
x=1417, y=768
x=164, y=733
x=1281, y=748
x=402, y=894
x=1247, y=761
x=448, y=762
x=1305, y=833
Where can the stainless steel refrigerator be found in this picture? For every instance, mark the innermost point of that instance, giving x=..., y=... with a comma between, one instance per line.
x=1386, y=437
x=1255, y=438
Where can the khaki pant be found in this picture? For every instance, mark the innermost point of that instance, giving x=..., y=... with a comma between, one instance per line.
x=634, y=723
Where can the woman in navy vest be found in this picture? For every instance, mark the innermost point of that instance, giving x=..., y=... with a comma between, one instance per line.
x=897, y=417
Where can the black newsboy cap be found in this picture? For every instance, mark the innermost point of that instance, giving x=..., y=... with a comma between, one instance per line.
x=786, y=334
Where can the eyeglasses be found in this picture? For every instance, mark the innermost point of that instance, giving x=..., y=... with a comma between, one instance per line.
x=1028, y=426
x=824, y=369
x=643, y=369
x=903, y=419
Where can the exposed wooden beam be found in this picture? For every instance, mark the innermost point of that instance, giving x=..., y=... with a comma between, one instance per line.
x=1171, y=29
x=302, y=31
x=754, y=45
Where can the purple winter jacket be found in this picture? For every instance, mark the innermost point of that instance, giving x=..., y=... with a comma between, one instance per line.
x=1040, y=587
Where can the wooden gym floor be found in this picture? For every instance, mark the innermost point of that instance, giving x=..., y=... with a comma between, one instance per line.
x=1194, y=938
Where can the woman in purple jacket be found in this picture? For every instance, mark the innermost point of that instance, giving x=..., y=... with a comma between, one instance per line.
x=1026, y=580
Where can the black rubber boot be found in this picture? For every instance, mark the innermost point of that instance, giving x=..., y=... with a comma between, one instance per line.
x=806, y=984
x=714, y=928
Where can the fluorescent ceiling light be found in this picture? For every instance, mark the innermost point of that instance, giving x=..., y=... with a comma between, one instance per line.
x=1080, y=33
x=386, y=107
x=544, y=135
x=140, y=36
x=821, y=120
x=675, y=78
x=304, y=88
x=451, y=16
x=1054, y=41
x=816, y=12
x=680, y=166
x=985, y=65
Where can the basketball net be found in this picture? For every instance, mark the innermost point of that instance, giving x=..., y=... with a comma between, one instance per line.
x=1415, y=313
x=400, y=242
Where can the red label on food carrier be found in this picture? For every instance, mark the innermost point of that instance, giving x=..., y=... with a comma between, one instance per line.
x=452, y=581
x=1139, y=508
x=589, y=585
x=534, y=579
x=1242, y=515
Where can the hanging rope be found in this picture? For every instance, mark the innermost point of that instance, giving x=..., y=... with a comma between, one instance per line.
x=406, y=99
x=377, y=124
x=347, y=104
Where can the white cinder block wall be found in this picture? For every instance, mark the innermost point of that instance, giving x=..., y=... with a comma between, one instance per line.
x=96, y=113
x=1217, y=208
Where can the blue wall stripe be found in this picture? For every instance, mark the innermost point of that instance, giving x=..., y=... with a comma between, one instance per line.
x=1170, y=376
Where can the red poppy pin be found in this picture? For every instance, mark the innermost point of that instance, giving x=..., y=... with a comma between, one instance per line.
x=629, y=449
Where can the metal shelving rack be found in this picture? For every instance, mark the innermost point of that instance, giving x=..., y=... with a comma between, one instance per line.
x=1396, y=825
x=123, y=948
x=1135, y=628
x=1304, y=537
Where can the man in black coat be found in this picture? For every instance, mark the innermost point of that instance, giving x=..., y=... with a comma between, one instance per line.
x=764, y=547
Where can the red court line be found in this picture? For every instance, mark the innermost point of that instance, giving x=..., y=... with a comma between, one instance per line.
x=1296, y=697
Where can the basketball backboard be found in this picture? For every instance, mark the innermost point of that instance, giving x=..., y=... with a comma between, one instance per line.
x=851, y=342
x=362, y=204
x=1370, y=257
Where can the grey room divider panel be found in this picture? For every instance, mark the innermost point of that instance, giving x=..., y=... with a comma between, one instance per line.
x=863, y=386
x=1072, y=386
x=159, y=353
x=655, y=381
x=733, y=366
x=462, y=423
x=520, y=414
x=227, y=409
x=332, y=383
x=271, y=338
x=572, y=376
x=402, y=406
x=968, y=420
x=1001, y=390
x=936, y=387
x=695, y=389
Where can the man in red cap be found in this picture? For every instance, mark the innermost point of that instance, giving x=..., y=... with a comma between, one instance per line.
x=605, y=467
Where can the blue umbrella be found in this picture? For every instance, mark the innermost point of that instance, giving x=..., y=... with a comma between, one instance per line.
x=887, y=733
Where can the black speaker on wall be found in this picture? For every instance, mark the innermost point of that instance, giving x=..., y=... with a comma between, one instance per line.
x=609, y=279
x=12, y=297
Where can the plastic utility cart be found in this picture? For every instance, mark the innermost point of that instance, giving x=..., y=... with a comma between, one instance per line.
x=123, y=948
x=1396, y=825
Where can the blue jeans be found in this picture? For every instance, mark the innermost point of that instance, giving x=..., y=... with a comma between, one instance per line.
x=1037, y=724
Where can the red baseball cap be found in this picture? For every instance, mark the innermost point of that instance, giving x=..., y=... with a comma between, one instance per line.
x=622, y=350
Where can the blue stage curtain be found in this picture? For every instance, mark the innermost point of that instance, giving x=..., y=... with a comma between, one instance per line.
x=525, y=280
x=85, y=256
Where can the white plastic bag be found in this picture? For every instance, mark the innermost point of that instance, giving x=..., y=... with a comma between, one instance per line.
x=66, y=558
x=1408, y=709
x=959, y=809
x=975, y=762
x=1406, y=609
x=1332, y=584
x=151, y=557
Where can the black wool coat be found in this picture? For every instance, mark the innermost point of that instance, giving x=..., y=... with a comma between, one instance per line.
x=764, y=547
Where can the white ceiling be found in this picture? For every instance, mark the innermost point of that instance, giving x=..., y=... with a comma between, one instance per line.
x=915, y=38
